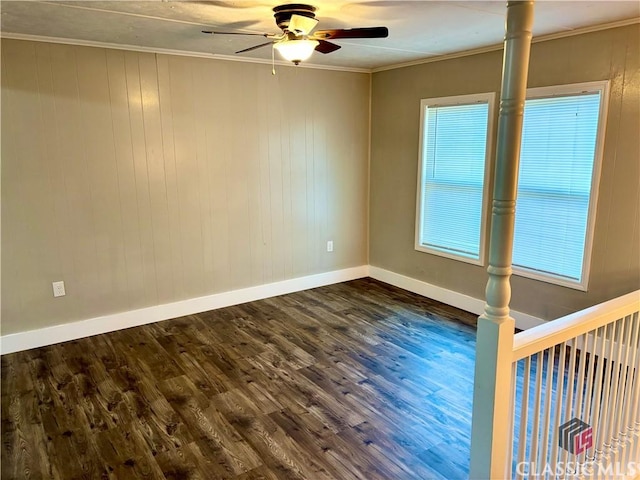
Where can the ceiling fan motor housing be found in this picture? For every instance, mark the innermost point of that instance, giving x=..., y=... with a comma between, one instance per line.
x=283, y=13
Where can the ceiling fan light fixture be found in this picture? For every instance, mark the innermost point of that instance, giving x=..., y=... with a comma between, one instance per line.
x=296, y=51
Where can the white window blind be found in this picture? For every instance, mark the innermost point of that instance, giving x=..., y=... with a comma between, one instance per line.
x=557, y=158
x=454, y=149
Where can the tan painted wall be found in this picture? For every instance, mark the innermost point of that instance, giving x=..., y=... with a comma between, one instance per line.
x=615, y=269
x=144, y=179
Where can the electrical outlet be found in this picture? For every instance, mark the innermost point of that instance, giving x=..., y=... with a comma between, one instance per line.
x=330, y=246
x=58, y=289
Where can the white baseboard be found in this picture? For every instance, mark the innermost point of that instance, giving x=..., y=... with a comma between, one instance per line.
x=459, y=300
x=71, y=331
x=85, y=328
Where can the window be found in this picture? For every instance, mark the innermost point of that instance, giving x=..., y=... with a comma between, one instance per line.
x=454, y=145
x=562, y=140
x=561, y=150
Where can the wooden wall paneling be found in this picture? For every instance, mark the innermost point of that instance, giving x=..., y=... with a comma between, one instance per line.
x=158, y=200
x=127, y=186
x=78, y=221
x=218, y=129
x=346, y=140
x=29, y=139
x=35, y=237
x=60, y=259
x=614, y=72
x=276, y=97
x=333, y=181
x=86, y=159
x=632, y=127
x=237, y=192
x=264, y=125
x=286, y=131
x=258, y=250
x=201, y=83
x=151, y=179
x=12, y=212
x=165, y=100
x=360, y=173
x=313, y=242
x=143, y=189
x=180, y=70
x=57, y=166
x=601, y=264
x=320, y=138
x=586, y=56
x=298, y=162
x=622, y=235
x=102, y=175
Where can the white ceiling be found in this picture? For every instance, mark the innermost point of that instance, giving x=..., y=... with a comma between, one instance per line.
x=418, y=29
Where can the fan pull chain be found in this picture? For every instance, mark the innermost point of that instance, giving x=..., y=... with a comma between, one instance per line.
x=273, y=60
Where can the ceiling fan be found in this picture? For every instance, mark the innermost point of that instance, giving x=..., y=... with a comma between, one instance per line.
x=296, y=42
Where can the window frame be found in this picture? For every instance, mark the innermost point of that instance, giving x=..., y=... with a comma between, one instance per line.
x=489, y=98
x=575, y=89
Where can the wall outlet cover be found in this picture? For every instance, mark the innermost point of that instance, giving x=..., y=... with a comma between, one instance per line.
x=58, y=289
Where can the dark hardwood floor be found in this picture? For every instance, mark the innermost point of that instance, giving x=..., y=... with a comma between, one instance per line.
x=358, y=380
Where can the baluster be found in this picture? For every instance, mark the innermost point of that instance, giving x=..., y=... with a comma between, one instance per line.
x=599, y=408
x=591, y=361
x=579, y=385
x=524, y=415
x=588, y=409
x=558, y=412
x=602, y=453
x=570, y=389
x=512, y=418
x=617, y=372
x=533, y=453
x=619, y=430
x=635, y=405
x=599, y=350
x=547, y=407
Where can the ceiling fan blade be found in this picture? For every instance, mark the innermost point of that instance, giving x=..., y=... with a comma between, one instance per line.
x=327, y=47
x=212, y=32
x=301, y=25
x=255, y=47
x=367, y=32
x=232, y=5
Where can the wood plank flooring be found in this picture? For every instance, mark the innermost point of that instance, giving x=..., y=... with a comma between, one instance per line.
x=358, y=380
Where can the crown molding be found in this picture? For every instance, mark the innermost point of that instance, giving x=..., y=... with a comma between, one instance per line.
x=280, y=63
x=493, y=48
x=167, y=51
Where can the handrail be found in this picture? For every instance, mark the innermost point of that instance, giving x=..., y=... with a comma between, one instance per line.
x=570, y=326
